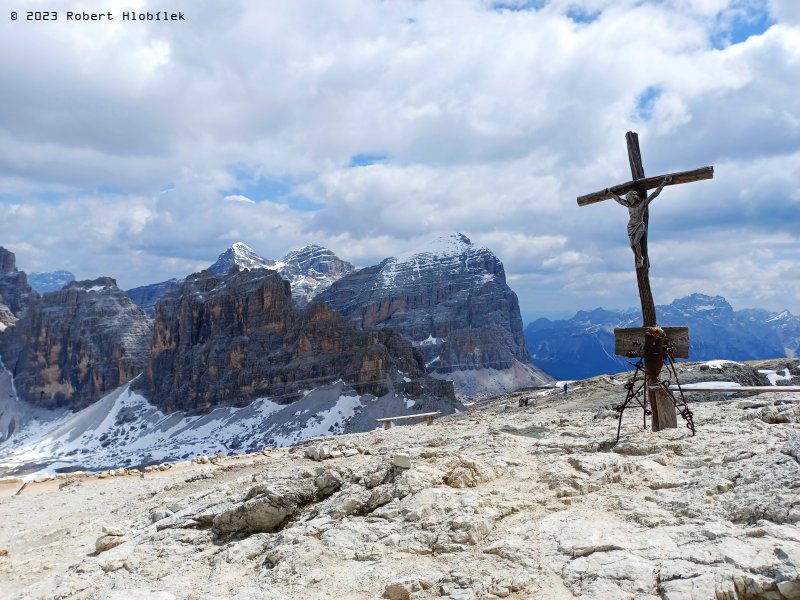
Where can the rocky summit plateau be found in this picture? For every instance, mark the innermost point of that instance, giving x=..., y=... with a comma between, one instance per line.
x=501, y=501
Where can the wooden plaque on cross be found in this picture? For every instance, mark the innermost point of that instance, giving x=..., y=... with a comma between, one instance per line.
x=651, y=339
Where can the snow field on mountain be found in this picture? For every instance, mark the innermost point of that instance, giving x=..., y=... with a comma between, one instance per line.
x=124, y=430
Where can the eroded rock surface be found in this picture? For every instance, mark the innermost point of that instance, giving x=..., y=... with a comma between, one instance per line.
x=498, y=502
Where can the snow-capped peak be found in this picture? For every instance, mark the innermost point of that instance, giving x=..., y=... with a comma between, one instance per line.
x=445, y=255
x=241, y=256
x=446, y=245
x=310, y=270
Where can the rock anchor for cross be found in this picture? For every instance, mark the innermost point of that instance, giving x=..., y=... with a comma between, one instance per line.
x=649, y=341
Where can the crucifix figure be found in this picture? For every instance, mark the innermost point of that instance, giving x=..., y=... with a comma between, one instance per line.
x=650, y=339
x=637, y=230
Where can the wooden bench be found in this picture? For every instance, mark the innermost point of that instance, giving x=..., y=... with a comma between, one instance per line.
x=387, y=422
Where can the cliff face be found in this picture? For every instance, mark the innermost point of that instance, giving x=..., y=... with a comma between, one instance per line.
x=15, y=293
x=228, y=340
x=72, y=346
x=450, y=300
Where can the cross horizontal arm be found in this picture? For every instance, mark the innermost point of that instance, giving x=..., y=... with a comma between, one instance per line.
x=648, y=183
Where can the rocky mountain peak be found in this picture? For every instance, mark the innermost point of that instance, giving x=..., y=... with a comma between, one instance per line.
x=447, y=256
x=240, y=256
x=15, y=292
x=92, y=285
x=701, y=302
x=583, y=345
x=453, y=244
x=311, y=256
x=8, y=261
x=311, y=270
x=783, y=315
x=450, y=298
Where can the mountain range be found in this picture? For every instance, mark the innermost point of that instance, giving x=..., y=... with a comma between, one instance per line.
x=449, y=298
x=50, y=281
x=309, y=270
x=583, y=346
x=230, y=347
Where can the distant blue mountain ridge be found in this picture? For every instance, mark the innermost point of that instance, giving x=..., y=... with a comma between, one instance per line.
x=50, y=282
x=583, y=346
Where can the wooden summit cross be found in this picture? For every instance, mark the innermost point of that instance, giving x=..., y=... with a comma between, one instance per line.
x=649, y=341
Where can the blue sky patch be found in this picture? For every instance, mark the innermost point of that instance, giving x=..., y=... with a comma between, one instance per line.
x=52, y=196
x=740, y=24
x=521, y=5
x=279, y=190
x=646, y=101
x=364, y=160
x=581, y=15
x=111, y=190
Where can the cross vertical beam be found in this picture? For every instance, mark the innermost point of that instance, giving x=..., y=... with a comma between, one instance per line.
x=660, y=403
x=643, y=272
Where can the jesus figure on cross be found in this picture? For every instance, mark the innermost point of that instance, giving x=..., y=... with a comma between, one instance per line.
x=637, y=229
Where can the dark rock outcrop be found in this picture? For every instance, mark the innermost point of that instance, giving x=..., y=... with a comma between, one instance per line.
x=239, y=256
x=228, y=340
x=450, y=300
x=15, y=292
x=8, y=261
x=70, y=347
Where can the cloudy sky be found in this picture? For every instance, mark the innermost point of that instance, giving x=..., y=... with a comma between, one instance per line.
x=142, y=150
